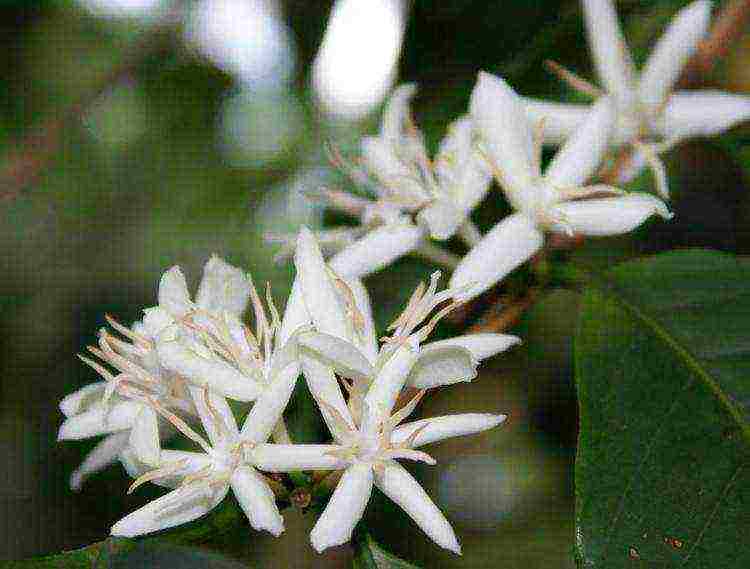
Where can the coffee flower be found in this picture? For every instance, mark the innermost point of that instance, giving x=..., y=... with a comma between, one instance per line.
x=411, y=197
x=549, y=202
x=118, y=407
x=650, y=115
x=230, y=460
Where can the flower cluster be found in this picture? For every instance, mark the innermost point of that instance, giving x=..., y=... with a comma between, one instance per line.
x=416, y=200
x=175, y=371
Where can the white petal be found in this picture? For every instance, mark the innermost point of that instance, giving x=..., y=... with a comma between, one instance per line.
x=560, y=119
x=257, y=500
x=481, y=346
x=462, y=173
x=173, y=293
x=445, y=427
x=82, y=399
x=386, y=387
x=379, y=248
x=400, y=486
x=344, y=509
x=704, y=113
x=192, y=463
x=444, y=365
x=609, y=50
x=397, y=111
x=368, y=341
x=144, y=436
x=672, y=51
x=582, y=153
x=193, y=502
x=218, y=421
x=611, y=216
x=269, y=407
x=295, y=314
x=318, y=288
x=158, y=322
x=344, y=357
x=101, y=456
x=99, y=421
x=325, y=389
x=223, y=287
x=287, y=458
x=378, y=156
x=183, y=357
x=500, y=120
x=441, y=218
x=509, y=244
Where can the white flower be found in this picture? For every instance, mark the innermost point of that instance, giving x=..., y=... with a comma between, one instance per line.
x=119, y=407
x=548, y=202
x=650, y=115
x=207, y=342
x=230, y=459
x=413, y=198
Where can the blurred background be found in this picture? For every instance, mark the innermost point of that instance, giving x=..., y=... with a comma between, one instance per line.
x=138, y=134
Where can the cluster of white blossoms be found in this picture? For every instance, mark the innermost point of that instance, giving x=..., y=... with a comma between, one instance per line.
x=175, y=371
x=416, y=201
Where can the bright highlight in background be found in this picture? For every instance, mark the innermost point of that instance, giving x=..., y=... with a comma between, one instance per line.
x=356, y=65
x=245, y=38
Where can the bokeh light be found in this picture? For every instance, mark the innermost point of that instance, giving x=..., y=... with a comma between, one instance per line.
x=356, y=64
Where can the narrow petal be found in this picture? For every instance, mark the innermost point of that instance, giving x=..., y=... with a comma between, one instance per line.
x=217, y=418
x=173, y=293
x=344, y=357
x=442, y=365
x=500, y=120
x=481, y=346
x=144, y=436
x=674, y=48
x=397, y=111
x=175, y=508
x=367, y=340
x=99, y=420
x=325, y=389
x=441, y=219
x=201, y=370
x=437, y=429
x=82, y=399
x=190, y=463
x=269, y=407
x=611, y=216
x=377, y=249
x=257, y=500
x=379, y=157
x=582, y=153
x=223, y=287
x=288, y=458
x=157, y=322
x=344, y=509
x=509, y=244
x=401, y=487
x=318, y=289
x=101, y=456
x=295, y=314
x=386, y=387
x=703, y=113
x=560, y=120
x=609, y=50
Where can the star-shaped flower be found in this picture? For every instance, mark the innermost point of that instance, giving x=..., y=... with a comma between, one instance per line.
x=650, y=115
x=412, y=198
x=117, y=407
x=549, y=202
x=230, y=459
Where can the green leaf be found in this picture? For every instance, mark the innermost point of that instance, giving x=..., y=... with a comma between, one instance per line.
x=369, y=555
x=663, y=370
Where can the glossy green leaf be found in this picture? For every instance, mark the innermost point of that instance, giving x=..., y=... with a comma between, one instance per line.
x=663, y=371
x=369, y=555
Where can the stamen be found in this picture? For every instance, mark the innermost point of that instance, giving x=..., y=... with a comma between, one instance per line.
x=161, y=472
x=658, y=169
x=406, y=410
x=181, y=425
x=538, y=144
x=409, y=442
x=576, y=82
x=127, y=332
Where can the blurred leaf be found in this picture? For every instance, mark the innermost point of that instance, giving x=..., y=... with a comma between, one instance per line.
x=662, y=363
x=369, y=555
